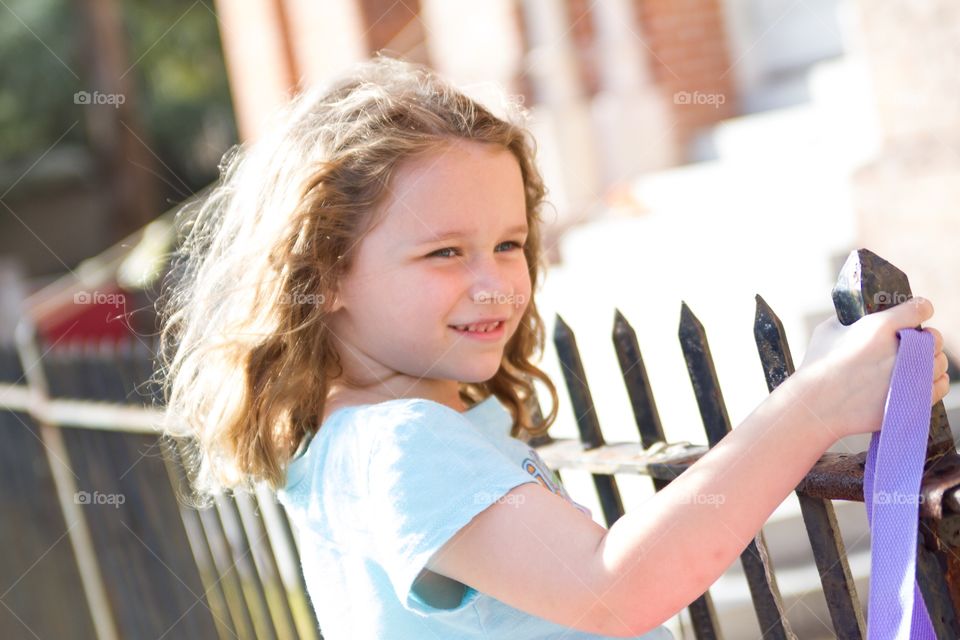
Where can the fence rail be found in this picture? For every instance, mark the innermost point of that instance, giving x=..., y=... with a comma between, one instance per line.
x=90, y=494
x=90, y=503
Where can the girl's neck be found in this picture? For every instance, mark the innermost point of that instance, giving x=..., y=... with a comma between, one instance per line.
x=340, y=396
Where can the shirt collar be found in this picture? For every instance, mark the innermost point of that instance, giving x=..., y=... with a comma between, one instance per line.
x=490, y=415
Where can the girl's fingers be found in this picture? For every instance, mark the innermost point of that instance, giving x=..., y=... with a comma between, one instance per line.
x=909, y=313
x=937, y=339
x=940, y=365
x=941, y=387
x=916, y=308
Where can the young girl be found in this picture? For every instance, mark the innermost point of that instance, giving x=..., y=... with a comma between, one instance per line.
x=353, y=322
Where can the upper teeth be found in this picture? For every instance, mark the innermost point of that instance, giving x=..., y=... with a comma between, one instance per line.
x=478, y=327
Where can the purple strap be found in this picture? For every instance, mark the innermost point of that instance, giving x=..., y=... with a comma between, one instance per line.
x=891, y=487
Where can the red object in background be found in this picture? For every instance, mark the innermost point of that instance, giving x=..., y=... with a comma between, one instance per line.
x=89, y=314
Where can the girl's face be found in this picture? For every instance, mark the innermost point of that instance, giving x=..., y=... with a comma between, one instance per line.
x=447, y=251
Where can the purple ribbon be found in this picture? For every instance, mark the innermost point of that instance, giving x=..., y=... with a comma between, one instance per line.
x=891, y=487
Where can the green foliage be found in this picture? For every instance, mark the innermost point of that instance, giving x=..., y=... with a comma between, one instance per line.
x=182, y=88
x=176, y=74
x=39, y=73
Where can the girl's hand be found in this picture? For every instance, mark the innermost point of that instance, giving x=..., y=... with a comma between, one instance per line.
x=846, y=371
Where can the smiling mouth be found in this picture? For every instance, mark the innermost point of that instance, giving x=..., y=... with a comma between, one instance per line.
x=490, y=327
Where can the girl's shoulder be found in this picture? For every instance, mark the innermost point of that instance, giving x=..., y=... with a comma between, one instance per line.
x=358, y=431
x=397, y=407
x=367, y=420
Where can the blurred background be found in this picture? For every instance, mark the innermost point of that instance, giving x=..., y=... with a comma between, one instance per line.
x=702, y=151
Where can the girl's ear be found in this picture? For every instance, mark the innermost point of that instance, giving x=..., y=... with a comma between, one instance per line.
x=337, y=303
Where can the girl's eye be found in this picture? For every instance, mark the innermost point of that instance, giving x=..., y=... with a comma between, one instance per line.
x=438, y=253
x=517, y=245
x=441, y=253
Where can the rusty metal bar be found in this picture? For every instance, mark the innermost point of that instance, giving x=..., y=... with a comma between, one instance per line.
x=587, y=423
x=713, y=411
x=819, y=517
x=703, y=616
x=638, y=383
x=867, y=283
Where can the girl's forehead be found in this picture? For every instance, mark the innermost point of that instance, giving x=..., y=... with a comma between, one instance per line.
x=460, y=186
x=457, y=158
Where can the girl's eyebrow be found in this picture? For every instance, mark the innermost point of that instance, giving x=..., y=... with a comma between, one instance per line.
x=450, y=235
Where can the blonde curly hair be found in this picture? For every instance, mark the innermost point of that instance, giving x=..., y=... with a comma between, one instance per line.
x=244, y=372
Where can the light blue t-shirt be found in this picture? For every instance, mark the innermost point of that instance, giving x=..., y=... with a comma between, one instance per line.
x=379, y=489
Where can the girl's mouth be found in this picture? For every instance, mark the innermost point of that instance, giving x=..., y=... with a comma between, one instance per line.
x=488, y=332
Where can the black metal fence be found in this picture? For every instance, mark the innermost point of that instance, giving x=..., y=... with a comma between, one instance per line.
x=96, y=543
x=866, y=284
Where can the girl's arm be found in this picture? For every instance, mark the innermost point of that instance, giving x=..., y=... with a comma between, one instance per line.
x=538, y=553
x=663, y=555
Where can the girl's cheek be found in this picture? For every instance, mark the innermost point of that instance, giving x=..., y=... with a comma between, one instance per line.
x=522, y=289
x=437, y=284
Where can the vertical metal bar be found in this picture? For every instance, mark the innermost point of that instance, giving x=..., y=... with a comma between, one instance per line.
x=133, y=360
x=227, y=578
x=141, y=544
x=282, y=537
x=266, y=563
x=702, y=613
x=839, y=587
x=63, y=381
x=586, y=415
x=212, y=587
x=65, y=481
x=755, y=558
x=638, y=383
x=867, y=283
x=252, y=585
x=36, y=566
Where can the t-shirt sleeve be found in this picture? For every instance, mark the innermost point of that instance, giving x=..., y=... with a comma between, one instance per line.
x=430, y=472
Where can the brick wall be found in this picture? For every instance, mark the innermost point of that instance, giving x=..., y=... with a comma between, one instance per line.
x=396, y=27
x=689, y=60
x=685, y=48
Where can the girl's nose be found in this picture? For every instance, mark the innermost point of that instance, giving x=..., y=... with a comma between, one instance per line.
x=491, y=281
x=491, y=296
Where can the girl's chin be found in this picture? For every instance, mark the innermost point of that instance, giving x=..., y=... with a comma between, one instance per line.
x=477, y=377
